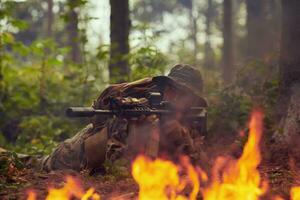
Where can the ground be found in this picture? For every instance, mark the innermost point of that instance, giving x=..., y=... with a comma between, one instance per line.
x=40, y=182
x=16, y=183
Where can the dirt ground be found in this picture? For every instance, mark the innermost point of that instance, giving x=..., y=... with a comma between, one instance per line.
x=40, y=182
x=280, y=176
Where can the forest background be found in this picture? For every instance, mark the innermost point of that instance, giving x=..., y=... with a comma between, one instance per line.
x=59, y=53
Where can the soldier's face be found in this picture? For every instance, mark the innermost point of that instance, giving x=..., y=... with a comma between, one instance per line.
x=180, y=99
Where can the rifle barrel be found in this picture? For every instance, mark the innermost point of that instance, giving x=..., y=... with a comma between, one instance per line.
x=86, y=112
x=90, y=112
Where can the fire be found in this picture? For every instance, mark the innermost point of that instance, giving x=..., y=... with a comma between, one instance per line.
x=164, y=180
x=71, y=189
x=31, y=195
x=232, y=179
x=295, y=193
x=239, y=179
x=159, y=179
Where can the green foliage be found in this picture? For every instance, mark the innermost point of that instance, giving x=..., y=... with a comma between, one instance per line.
x=11, y=167
x=229, y=110
x=38, y=81
x=38, y=84
x=40, y=132
x=147, y=61
x=40, y=77
x=8, y=159
x=256, y=85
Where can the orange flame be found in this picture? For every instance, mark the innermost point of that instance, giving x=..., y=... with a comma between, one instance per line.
x=159, y=179
x=295, y=193
x=31, y=195
x=277, y=198
x=240, y=179
x=232, y=179
x=163, y=180
x=71, y=189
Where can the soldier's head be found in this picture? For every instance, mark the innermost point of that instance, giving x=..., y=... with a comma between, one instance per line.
x=183, y=86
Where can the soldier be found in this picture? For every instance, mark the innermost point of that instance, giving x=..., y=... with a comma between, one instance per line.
x=110, y=138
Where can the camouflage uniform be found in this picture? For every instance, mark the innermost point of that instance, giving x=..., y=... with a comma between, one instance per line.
x=110, y=138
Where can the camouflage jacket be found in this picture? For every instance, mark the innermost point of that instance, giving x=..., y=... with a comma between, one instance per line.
x=115, y=137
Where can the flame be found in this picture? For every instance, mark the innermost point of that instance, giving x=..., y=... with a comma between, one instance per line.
x=295, y=193
x=277, y=198
x=31, y=195
x=160, y=179
x=232, y=179
x=71, y=189
x=240, y=179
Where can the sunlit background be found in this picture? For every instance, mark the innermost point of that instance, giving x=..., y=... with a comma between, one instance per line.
x=53, y=60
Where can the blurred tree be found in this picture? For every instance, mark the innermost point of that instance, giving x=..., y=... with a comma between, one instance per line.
x=49, y=34
x=153, y=10
x=43, y=19
x=72, y=29
x=256, y=28
x=30, y=12
x=190, y=4
x=273, y=30
x=50, y=18
x=208, y=51
x=227, y=59
x=33, y=76
x=263, y=28
x=289, y=104
x=119, y=69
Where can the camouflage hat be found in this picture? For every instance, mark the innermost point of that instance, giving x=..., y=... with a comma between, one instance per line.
x=184, y=77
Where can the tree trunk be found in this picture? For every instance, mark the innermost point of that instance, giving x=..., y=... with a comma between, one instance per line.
x=289, y=90
x=208, y=51
x=227, y=42
x=256, y=29
x=119, y=69
x=273, y=32
x=72, y=29
x=50, y=18
x=194, y=30
x=2, y=85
